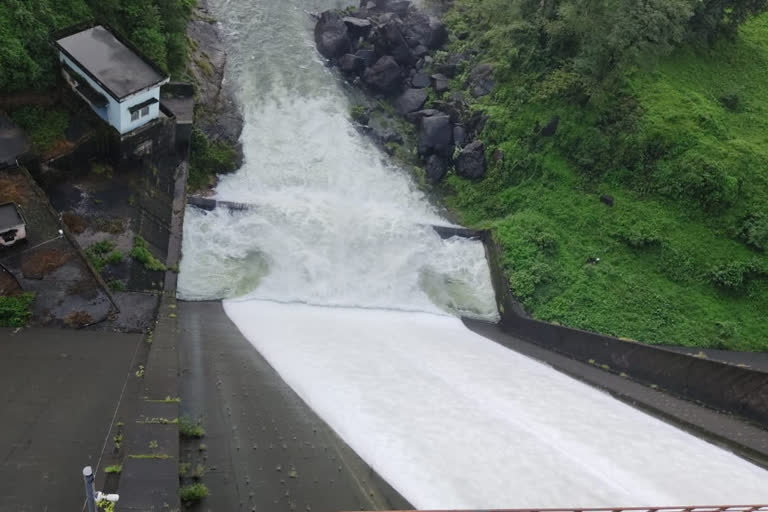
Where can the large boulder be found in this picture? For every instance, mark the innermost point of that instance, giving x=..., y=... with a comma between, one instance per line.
x=368, y=56
x=436, y=168
x=357, y=27
x=385, y=76
x=390, y=41
x=471, y=161
x=351, y=64
x=440, y=82
x=421, y=80
x=436, y=136
x=331, y=35
x=427, y=31
x=481, y=80
x=416, y=117
x=459, y=135
x=410, y=101
x=398, y=7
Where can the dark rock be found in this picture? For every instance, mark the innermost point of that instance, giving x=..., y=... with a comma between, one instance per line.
x=390, y=41
x=357, y=27
x=422, y=30
x=551, y=127
x=476, y=124
x=331, y=35
x=419, y=64
x=607, y=199
x=428, y=60
x=436, y=168
x=441, y=83
x=410, y=101
x=436, y=136
x=459, y=135
x=398, y=7
x=420, y=51
x=351, y=64
x=452, y=64
x=455, y=110
x=471, y=161
x=461, y=36
x=385, y=76
x=386, y=136
x=481, y=80
x=421, y=80
x=498, y=155
x=368, y=56
x=416, y=117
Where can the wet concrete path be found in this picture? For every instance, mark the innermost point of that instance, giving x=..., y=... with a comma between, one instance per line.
x=265, y=449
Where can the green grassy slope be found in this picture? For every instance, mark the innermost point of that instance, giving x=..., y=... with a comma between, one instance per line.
x=680, y=258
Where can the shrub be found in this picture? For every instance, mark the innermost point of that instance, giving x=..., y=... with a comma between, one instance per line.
x=734, y=275
x=101, y=253
x=193, y=493
x=44, y=126
x=754, y=230
x=700, y=180
x=15, y=311
x=207, y=158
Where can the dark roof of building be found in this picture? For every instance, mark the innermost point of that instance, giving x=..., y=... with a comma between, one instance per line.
x=13, y=142
x=118, y=68
x=9, y=216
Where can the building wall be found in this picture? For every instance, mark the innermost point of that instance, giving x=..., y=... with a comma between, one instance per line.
x=126, y=125
x=116, y=113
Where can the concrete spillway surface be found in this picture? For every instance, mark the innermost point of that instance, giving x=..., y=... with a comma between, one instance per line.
x=336, y=280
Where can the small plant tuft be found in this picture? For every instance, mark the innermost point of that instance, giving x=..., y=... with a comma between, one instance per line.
x=193, y=493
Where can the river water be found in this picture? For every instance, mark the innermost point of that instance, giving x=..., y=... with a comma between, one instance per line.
x=337, y=279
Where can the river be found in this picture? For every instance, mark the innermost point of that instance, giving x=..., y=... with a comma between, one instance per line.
x=338, y=280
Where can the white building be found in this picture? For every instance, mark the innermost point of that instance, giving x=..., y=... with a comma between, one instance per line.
x=121, y=85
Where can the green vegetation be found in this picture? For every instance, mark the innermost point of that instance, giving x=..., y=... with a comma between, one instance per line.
x=150, y=456
x=117, y=468
x=208, y=158
x=117, y=285
x=15, y=309
x=45, y=126
x=103, y=253
x=106, y=505
x=156, y=27
x=141, y=253
x=190, y=429
x=193, y=493
x=662, y=106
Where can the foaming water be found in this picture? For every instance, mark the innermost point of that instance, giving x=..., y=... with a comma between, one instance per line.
x=450, y=419
x=334, y=222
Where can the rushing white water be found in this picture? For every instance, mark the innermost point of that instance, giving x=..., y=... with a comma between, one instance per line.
x=336, y=279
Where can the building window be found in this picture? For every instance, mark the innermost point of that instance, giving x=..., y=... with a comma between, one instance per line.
x=145, y=112
x=135, y=116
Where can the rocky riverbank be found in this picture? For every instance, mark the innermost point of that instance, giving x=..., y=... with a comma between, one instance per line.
x=217, y=113
x=391, y=51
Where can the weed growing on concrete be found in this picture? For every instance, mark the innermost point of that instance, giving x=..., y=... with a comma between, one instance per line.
x=153, y=445
x=15, y=310
x=193, y=493
x=189, y=429
x=140, y=253
x=106, y=505
x=150, y=456
x=114, y=469
x=184, y=469
x=140, y=371
x=116, y=285
x=118, y=438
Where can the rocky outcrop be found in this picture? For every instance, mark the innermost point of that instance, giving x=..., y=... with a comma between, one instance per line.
x=471, y=161
x=217, y=113
x=331, y=35
x=385, y=48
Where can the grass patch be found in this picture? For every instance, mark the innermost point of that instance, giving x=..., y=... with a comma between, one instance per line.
x=190, y=429
x=102, y=254
x=207, y=159
x=140, y=253
x=15, y=311
x=193, y=493
x=114, y=469
x=45, y=126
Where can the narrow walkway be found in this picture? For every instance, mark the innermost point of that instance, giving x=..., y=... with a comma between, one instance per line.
x=266, y=449
x=741, y=437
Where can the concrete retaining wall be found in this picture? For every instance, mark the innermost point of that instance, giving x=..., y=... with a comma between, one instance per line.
x=725, y=387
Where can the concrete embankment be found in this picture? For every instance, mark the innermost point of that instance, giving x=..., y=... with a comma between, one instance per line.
x=266, y=449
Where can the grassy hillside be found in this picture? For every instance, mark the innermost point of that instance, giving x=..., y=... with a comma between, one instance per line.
x=680, y=142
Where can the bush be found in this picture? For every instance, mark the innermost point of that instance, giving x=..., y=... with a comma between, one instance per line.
x=15, y=310
x=101, y=253
x=736, y=274
x=754, y=230
x=700, y=180
x=207, y=158
x=141, y=253
x=193, y=493
x=45, y=126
